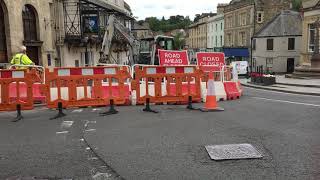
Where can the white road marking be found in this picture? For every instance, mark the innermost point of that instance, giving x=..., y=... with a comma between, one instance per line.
x=81, y=140
x=93, y=158
x=77, y=111
x=67, y=124
x=62, y=132
x=90, y=130
x=94, y=110
x=289, y=102
x=280, y=92
x=88, y=148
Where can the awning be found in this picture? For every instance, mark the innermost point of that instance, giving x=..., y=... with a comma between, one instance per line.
x=236, y=52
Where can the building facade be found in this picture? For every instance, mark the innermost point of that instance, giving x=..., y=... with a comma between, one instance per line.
x=277, y=45
x=141, y=31
x=80, y=27
x=26, y=22
x=243, y=18
x=215, y=33
x=311, y=13
x=197, y=33
x=60, y=33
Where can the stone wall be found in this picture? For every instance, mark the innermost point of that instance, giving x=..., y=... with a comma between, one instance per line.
x=14, y=26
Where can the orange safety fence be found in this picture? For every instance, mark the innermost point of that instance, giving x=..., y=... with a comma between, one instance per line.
x=227, y=73
x=169, y=84
x=22, y=81
x=89, y=86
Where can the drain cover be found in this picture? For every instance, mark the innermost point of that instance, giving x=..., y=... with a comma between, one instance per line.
x=233, y=151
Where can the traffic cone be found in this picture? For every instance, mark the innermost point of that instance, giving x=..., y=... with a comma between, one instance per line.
x=211, y=102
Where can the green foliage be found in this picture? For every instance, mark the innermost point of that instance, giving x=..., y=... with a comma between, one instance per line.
x=296, y=4
x=166, y=25
x=179, y=41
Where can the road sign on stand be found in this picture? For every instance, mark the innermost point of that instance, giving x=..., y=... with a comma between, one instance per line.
x=173, y=58
x=210, y=59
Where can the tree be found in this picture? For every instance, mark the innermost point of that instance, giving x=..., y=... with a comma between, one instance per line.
x=167, y=25
x=296, y=5
x=179, y=41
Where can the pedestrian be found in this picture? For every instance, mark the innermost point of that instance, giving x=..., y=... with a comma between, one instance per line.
x=21, y=58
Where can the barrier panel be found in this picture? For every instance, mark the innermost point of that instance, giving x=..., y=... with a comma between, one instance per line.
x=166, y=84
x=21, y=95
x=231, y=90
x=89, y=86
x=38, y=78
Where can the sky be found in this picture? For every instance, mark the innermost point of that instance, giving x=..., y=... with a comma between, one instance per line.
x=158, y=8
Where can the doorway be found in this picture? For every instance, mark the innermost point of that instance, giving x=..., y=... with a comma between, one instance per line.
x=33, y=54
x=3, y=42
x=290, y=65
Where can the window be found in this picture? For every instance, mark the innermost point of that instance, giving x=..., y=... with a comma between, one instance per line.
x=229, y=38
x=216, y=41
x=260, y=17
x=269, y=63
x=229, y=21
x=270, y=44
x=221, y=26
x=242, y=38
x=291, y=43
x=311, y=37
x=243, y=19
x=221, y=43
x=216, y=27
x=254, y=44
x=29, y=23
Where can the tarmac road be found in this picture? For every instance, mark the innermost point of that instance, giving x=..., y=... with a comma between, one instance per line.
x=168, y=145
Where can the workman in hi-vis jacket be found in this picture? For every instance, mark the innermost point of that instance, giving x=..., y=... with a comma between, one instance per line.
x=21, y=58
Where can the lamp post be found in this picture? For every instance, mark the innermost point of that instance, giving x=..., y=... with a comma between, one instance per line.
x=315, y=60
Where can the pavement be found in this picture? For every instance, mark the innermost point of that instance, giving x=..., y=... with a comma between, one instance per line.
x=289, y=85
x=168, y=145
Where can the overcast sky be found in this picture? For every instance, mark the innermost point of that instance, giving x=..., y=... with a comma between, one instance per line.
x=167, y=8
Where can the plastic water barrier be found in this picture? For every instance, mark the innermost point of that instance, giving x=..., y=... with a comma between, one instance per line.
x=89, y=86
x=166, y=84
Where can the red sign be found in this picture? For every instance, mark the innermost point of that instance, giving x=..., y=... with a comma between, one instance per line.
x=210, y=59
x=173, y=58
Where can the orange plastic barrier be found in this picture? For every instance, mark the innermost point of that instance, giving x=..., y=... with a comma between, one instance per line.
x=227, y=74
x=216, y=70
x=89, y=86
x=231, y=90
x=37, y=93
x=171, y=84
x=22, y=94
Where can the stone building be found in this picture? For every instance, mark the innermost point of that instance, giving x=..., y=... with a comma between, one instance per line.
x=197, y=33
x=243, y=18
x=80, y=27
x=277, y=45
x=215, y=30
x=60, y=33
x=141, y=31
x=29, y=23
x=311, y=12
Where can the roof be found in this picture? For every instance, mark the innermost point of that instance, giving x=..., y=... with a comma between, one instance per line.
x=287, y=23
x=107, y=5
x=310, y=4
x=143, y=26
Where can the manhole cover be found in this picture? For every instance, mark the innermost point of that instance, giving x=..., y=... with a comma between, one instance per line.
x=233, y=151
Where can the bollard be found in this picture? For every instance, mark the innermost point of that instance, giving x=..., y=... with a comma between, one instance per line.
x=148, y=109
x=19, y=116
x=111, y=111
x=60, y=112
x=190, y=107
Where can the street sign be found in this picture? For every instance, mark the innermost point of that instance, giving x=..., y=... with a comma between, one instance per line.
x=233, y=151
x=173, y=58
x=210, y=59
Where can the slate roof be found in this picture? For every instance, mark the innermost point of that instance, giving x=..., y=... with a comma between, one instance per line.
x=310, y=3
x=286, y=23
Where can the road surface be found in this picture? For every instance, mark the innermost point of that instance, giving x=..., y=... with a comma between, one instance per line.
x=168, y=145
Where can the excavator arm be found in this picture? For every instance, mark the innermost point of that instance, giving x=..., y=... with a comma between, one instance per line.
x=117, y=31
